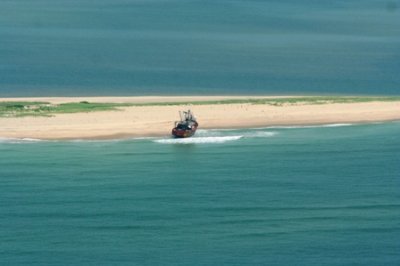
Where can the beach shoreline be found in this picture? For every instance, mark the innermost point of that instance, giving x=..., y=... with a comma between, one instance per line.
x=157, y=120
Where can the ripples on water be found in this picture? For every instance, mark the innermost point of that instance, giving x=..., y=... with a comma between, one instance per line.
x=281, y=196
x=157, y=47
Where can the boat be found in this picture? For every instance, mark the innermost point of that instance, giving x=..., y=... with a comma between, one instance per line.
x=186, y=127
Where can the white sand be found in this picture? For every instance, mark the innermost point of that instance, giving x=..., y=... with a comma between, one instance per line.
x=158, y=120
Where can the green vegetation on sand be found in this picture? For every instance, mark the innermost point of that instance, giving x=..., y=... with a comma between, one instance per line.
x=21, y=109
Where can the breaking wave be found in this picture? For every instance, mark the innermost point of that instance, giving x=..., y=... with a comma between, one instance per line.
x=19, y=140
x=310, y=126
x=337, y=125
x=202, y=135
x=199, y=140
x=217, y=136
x=259, y=134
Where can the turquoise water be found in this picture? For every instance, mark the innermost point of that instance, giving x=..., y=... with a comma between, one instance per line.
x=324, y=195
x=192, y=47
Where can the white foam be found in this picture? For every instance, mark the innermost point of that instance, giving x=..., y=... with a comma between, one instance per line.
x=198, y=140
x=109, y=140
x=310, y=126
x=337, y=125
x=31, y=140
x=19, y=140
x=233, y=132
x=208, y=133
x=141, y=138
x=259, y=134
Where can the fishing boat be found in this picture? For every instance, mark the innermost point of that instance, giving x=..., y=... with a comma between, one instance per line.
x=186, y=127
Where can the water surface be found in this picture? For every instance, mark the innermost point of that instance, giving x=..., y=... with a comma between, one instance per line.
x=176, y=47
x=275, y=196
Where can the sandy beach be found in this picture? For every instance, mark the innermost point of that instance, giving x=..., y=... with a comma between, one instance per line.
x=143, y=121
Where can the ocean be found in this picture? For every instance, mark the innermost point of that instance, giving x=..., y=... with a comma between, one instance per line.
x=199, y=47
x=313, y=195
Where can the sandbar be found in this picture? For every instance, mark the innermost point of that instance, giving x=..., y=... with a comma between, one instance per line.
x=158, y=120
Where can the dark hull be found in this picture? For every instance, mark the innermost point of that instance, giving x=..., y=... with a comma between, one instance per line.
x=183, y=133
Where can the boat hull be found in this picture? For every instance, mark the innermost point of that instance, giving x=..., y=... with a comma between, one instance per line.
x=183, y=133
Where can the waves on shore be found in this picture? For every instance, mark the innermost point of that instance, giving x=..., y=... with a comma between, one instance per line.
x=195, y=140
x=202, y=135
x=218, y=136
x=227, y=135
x=19, y=140
x=309, y=126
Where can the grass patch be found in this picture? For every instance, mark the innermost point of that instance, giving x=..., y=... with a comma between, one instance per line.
x=84, y=107
x=22, y=109
x=281, y=101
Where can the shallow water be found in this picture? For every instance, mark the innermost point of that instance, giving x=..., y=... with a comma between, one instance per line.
x=326, y=195
x=175, y=47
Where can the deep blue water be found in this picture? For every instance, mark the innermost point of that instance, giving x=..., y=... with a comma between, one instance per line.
x=168, y=47
x=274, y=196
